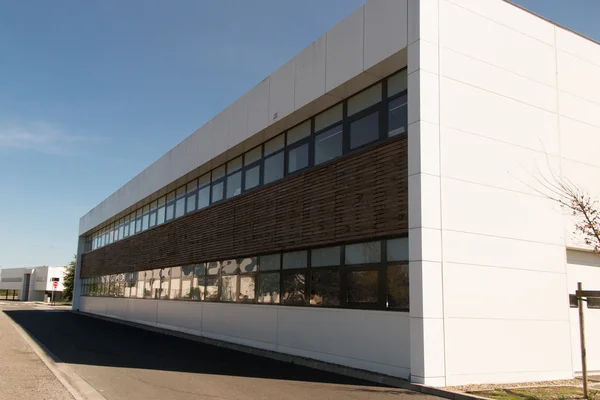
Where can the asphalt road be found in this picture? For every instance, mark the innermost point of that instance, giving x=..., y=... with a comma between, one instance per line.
x=123, y=362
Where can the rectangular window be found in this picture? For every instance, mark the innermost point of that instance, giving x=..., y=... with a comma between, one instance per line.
x=328, y=145
x=268, y=291
x=294, y=260
x=145, y=222
x=397, y=249
x=138, y=225
x=198, y=281
x=363, y=253
x=294, y=288
x=132, y=224
x=274, y=145
x=180, y=207
x=190, y=203
x=152, y=219
x=298, y=158
x=175, y=287
x=187, y=279
x=234, y=184
x=397, y=83
x=364, y=99
x=230, y=267
x=397, y=284
x=270, y=262
x=247, y=289
x=204, y=197
x=364, y=130
x=212, y=289
x=170, y=212
x=234, y=165
x=397, y=116
x=328, y=117
x=298, y=132
x=325, y=288
x=229, y=288
x=204, y=180
x=247, y=265
x=217, y=192
x=273, y=168
x=218, y=173
x=252, y=155
x=160, y=213
x=363, y=286
x=325, y=257
x=252, y=177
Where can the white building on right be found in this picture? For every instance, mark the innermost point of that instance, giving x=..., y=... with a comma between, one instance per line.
x=498, y=98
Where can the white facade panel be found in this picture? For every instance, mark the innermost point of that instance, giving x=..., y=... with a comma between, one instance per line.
x=345, y=50
x=385, y=30
x=258, y=108
x=578, y=46
x=281, y=92
x=573, y=77
x=181, y=314
x=249, y=323
x=580, y=109
x=309, y=78
x=573, y=135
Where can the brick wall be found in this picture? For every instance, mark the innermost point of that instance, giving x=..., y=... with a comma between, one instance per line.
x=360, y=196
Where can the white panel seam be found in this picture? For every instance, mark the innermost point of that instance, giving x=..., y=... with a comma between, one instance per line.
x=523, y=319
x=566, y=51
x=502, y=237
x=539, y=196
x=483, y=265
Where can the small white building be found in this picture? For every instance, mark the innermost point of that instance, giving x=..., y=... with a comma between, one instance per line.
x=32, y=284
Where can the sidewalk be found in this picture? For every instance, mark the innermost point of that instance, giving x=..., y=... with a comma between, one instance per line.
x=22, y=374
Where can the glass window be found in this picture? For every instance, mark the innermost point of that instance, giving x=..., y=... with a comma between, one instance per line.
x=170, y=212
x=271, y=262
x=179, y=207
x=363, y=253
x=247, y=288
x=213, y=268
x=217, y=192
x=363, y=286
x=198, y=281
x=212, y=288
x=397, y=249
x=252, y=177
x=234, y=165
x=204, y=180
x=328, y=145
x=325, y=257
x=298, y=158
x=298, y=132
x=153, y=205
x=325, y=288
x=234, y=184
x=296, y=259
x=120, y=234
x=364, y=99
x=397, y=116
x=142, y=286
x=145, y=222
x=397, y=283
x=160, y=215
x=247, y=264
x=187, y=280
x=204, y=197
x=138, y=225
x=175, y=288
x=328, y=117
x=218, y=173
x=152, y=219
x=230, y=267
x=273, y=168
x=252, y=155
x=162, y=201
x=229, y=288
x=268, y=291
x=397, y=83
x=274, y=145
x=294, y=288
x=190, y=203
x=364, y=130
x=165, y=280
x=191, y=187
x=131, y=224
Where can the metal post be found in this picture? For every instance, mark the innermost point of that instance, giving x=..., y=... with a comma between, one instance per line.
x=52, y=301
x=14, y=294
x=582, y=340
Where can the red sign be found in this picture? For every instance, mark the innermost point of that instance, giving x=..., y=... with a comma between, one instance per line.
x=55, y=284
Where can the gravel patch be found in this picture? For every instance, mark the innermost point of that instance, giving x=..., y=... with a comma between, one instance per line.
x=492, y=386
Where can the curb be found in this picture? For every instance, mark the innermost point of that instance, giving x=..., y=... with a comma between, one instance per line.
x=78, y=388
x=302, y=361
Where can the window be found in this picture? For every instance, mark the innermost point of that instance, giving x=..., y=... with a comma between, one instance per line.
x=251, y=177
x=268, y=291
x=145, y=218
x=328, y=145
x=397, y=284
x=170, y=210
x=363, y=286
x=364, y=130
x=397, y=249
x=298, y=158
x=229, y=288
x=180, y=202
x=217, y=192
x=294, y=288
x=328, y=117
x=273, y=168
x=298, y=132
x=294, y=260
x=398, y=116
x=211, y=292
x=325, y=288
x=132, y=224
x=138, y=221
x=153, y=207
x=252, y=156
x=397, y=83
x=325, y=257
x=274, y=145
x=234, y=184
x=141, y=285
x=190, y=202
x=175, y=287
x=198, y=281
x=204, y=197
x=160, y=213
x=365, y=99
x=363, y=253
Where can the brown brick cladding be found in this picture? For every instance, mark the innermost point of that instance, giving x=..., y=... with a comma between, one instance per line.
x=360, y=196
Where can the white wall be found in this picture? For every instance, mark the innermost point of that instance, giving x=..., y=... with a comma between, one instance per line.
x=497, y=96
x=313, y=80
x=585, y=268
x=371, y=340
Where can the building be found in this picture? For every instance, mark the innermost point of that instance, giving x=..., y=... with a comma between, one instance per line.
x=403, y=144
x=32, y=284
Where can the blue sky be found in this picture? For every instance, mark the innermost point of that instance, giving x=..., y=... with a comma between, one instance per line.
x=92, y=92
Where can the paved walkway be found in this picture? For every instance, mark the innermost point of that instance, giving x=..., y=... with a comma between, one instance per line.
x=23, y=375
x=123, y=362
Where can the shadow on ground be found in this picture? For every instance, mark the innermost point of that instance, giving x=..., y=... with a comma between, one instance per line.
x=78, y=339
